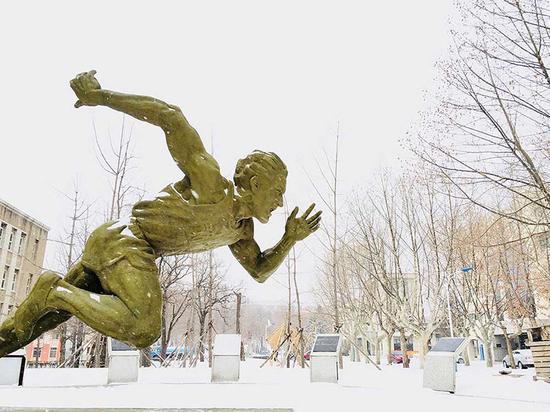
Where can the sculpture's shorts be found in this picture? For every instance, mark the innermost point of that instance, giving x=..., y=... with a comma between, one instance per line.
x=112, y=242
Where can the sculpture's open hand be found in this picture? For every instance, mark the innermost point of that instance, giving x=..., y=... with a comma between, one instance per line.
x=298, y=228
x=86, y=88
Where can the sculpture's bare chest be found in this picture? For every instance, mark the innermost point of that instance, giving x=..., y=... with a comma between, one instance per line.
x=174, y=225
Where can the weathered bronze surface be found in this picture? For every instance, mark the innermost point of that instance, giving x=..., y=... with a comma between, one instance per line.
x=115, y=287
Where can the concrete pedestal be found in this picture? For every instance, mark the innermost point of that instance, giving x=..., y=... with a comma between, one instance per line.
x=123, y=368
x=123, y=362
x=226, y=358
x=12, y=368
x=440, y=371
x=226, y=368
x=324, y=369
x=324, y=358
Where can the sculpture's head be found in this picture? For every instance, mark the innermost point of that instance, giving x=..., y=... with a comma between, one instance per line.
x=261, y=179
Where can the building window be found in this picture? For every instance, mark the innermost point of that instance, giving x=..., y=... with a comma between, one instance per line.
x=53, y=352
x=21, y=247
x=3, y=227
x=14, y=279
x=4, y=277
x=12, y=238
x=35, y=249
x=36, y=352
x=29, y=284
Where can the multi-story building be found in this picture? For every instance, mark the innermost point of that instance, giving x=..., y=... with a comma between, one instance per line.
x=44, y=351
x=22, y=248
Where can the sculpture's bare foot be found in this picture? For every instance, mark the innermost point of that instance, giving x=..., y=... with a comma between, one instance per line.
x=34, y=307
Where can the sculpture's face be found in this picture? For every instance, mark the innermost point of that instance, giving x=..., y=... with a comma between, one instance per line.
x=267, y=195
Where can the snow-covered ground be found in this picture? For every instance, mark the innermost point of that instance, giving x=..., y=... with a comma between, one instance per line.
x=361, y=388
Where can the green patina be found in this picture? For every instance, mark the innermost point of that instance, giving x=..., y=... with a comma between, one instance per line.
x=115, y=287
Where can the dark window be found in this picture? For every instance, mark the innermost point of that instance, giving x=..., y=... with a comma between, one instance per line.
x=35, y=249
x=2, y=231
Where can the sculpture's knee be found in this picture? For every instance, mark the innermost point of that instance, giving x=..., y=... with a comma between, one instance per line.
x=146, y=332
x=146, y=338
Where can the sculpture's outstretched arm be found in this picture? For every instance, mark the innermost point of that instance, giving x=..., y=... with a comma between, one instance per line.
x=183, y=141
x=261, y=265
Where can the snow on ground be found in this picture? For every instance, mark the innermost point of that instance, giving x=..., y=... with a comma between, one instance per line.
x=361, y=388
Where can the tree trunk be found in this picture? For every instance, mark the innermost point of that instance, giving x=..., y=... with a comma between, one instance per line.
x=508, y=347
x=62, y=342
x=201, y=337
x=424, y=349
x=377, y=350
x=467, y=355
x=389, y=342
x=144, y=357
x=487, y=345
x=238, y=323
x=403, y=340
x=78, y=343
x=37, y=353
x=210, y=325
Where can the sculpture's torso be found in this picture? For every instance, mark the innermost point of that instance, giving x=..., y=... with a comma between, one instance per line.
x=173, y=225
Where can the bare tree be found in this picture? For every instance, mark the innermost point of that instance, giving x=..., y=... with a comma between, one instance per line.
x=72, y=244
x=329, y=198
x=176, y=295
x=116, y=161
x=489, y=136
x=210, y=293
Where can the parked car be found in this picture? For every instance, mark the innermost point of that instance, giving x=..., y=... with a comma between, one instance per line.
x=396, y=357
x=522, y=357
x=307, y=355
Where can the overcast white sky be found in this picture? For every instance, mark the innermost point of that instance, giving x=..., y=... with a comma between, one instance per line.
x=271, y=75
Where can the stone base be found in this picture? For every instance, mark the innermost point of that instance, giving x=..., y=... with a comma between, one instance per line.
x=324, y=369
x=12, y=368
x=440, y=371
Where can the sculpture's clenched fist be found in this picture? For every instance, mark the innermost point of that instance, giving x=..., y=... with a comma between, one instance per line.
x=86, y=88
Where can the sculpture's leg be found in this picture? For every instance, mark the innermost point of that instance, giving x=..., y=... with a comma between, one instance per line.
x=131, y=312
x=9, y=341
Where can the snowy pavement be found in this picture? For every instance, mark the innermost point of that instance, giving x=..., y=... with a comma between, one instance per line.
x=361, y=388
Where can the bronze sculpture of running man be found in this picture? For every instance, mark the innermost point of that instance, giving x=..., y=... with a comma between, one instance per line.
x=114, y=288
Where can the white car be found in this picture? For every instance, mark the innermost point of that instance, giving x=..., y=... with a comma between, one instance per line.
x=522, y=357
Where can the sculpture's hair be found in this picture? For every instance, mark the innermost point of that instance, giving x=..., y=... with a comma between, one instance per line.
x=258, y=163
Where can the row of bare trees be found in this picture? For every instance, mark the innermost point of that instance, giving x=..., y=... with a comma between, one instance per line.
x=418, y=259
x=460, y=243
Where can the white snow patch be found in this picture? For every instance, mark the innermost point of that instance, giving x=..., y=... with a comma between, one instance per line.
x=95, y=297
x=361, y=387
x=62, y=289
x=162, y=195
